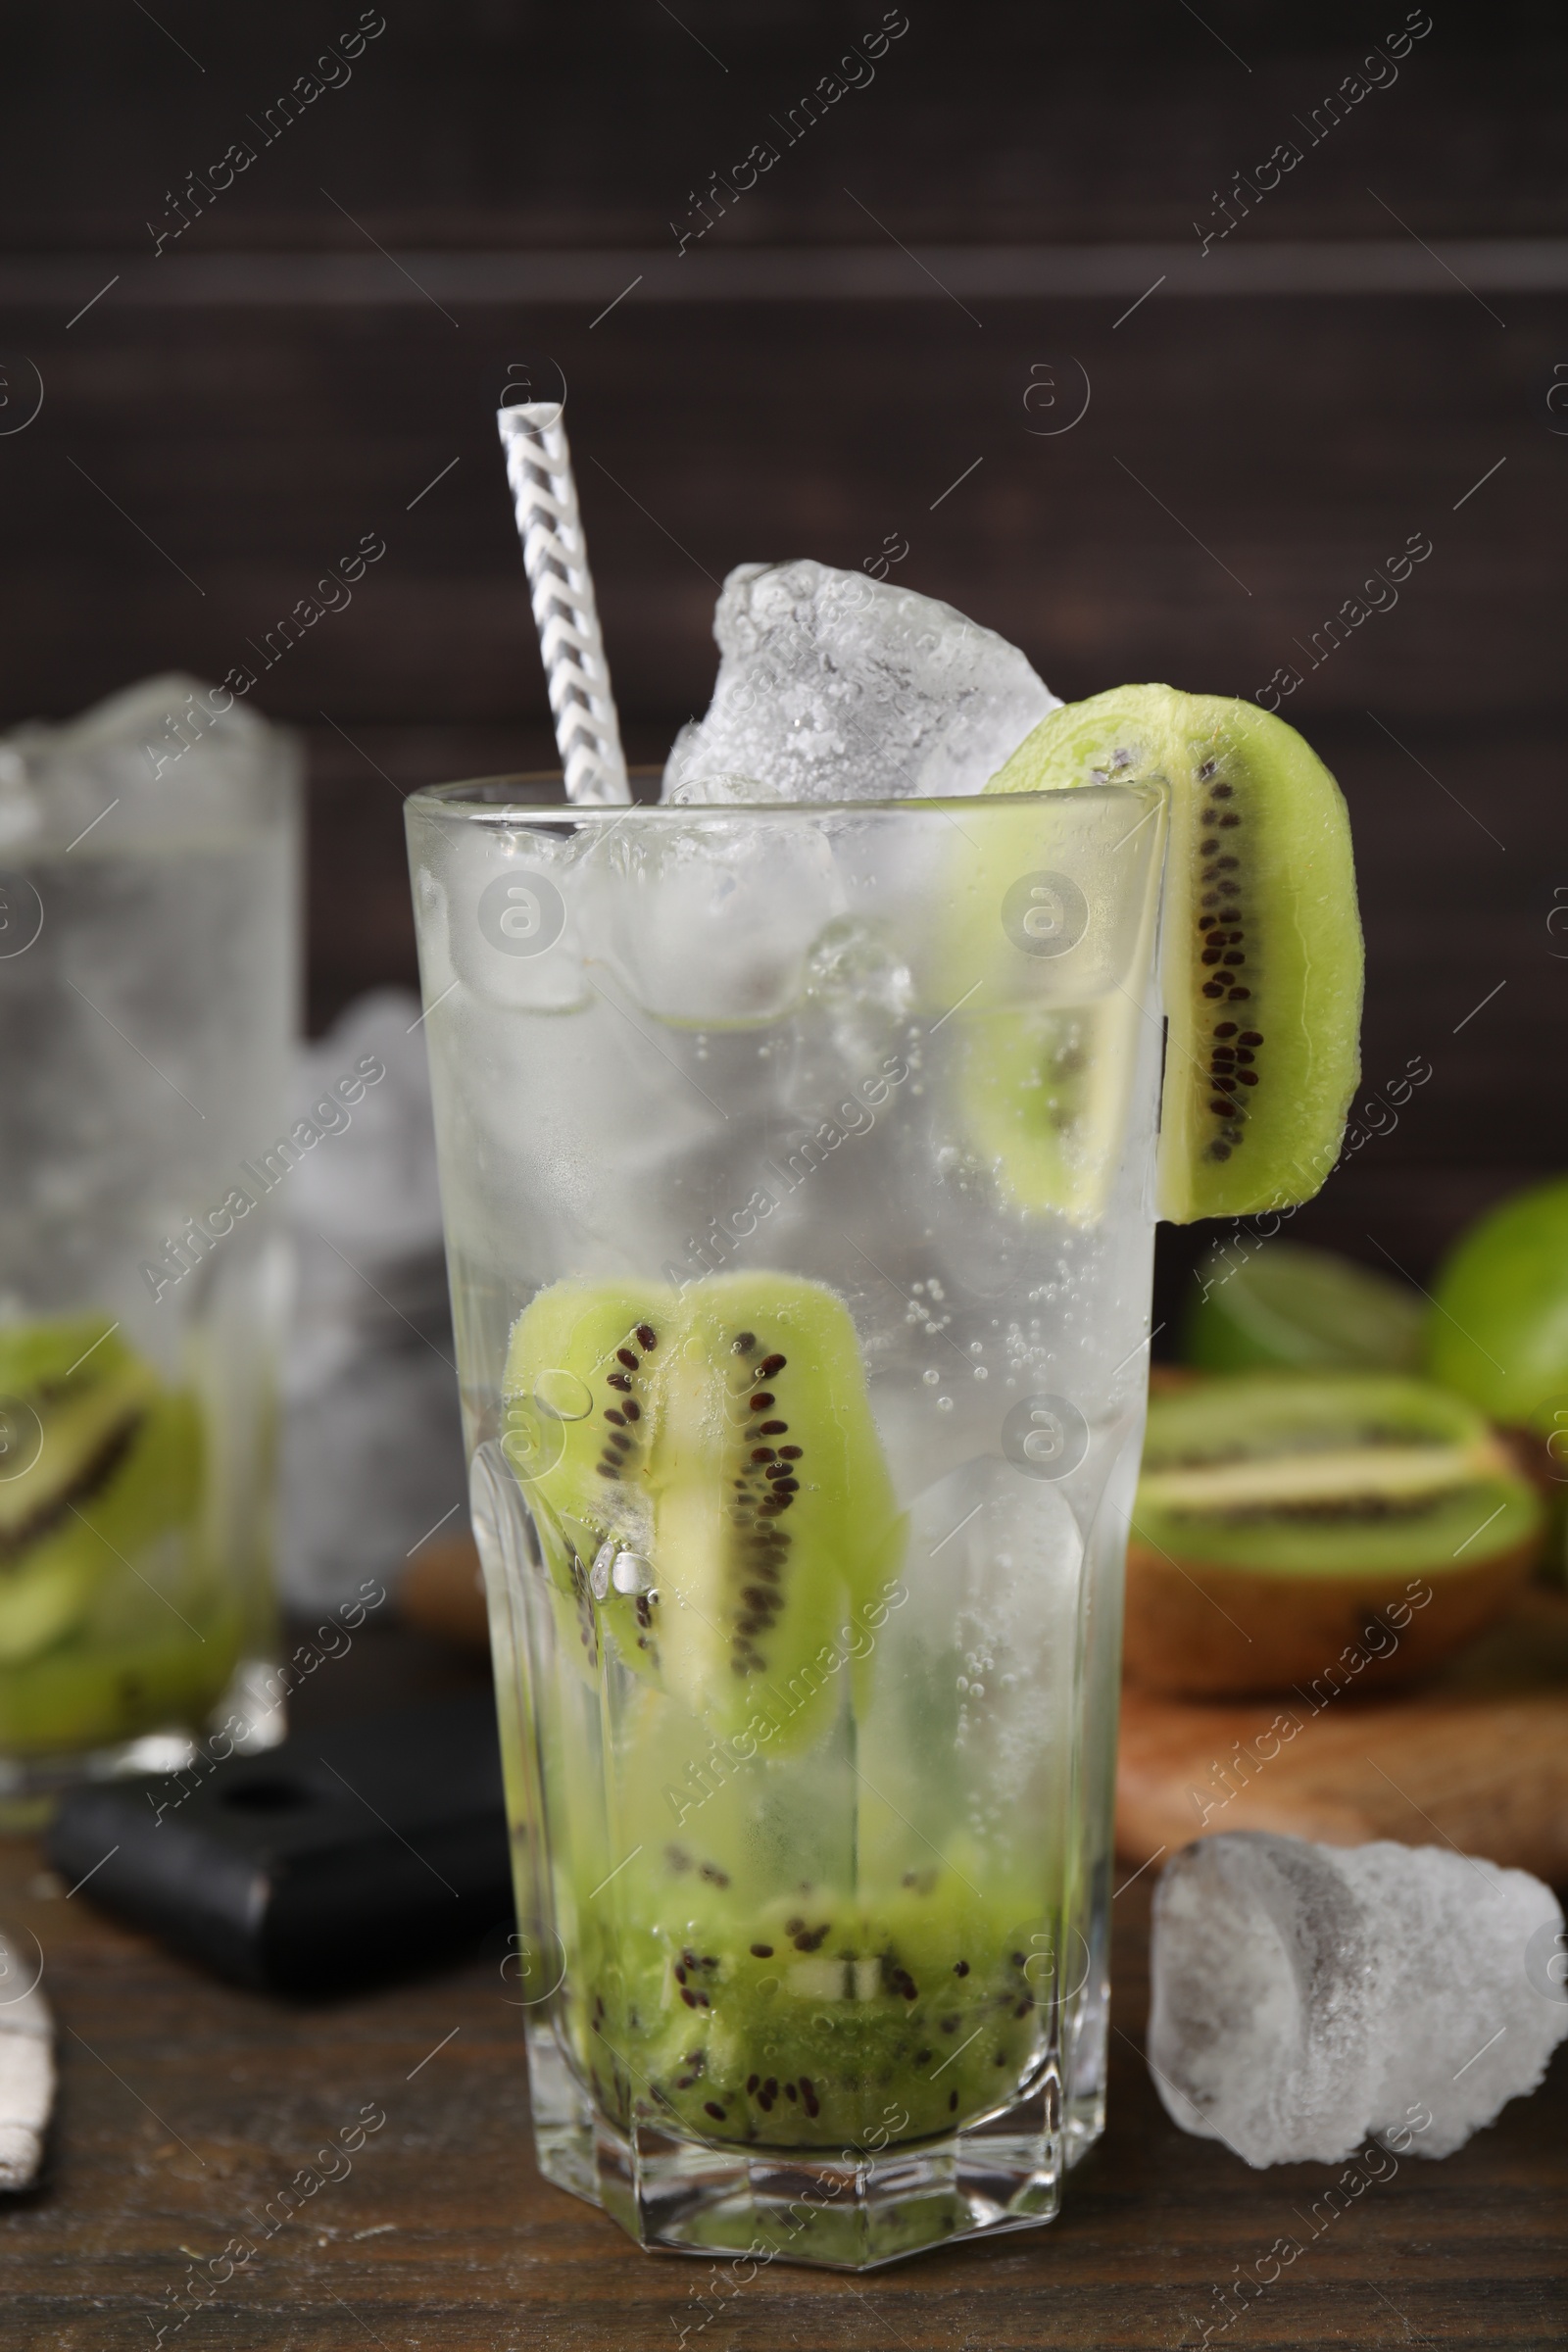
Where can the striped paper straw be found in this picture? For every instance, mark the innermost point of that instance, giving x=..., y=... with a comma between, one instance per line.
x=556, y=561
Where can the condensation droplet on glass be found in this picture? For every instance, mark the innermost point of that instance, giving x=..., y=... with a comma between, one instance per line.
x=944, y=1404
x=562, y=1393
x=930, y=1379
x=980, y=1372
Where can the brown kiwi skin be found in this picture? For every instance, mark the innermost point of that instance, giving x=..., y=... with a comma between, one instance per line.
x=1200, y=1631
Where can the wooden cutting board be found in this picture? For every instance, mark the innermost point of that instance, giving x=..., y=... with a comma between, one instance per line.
x=1476, y=1758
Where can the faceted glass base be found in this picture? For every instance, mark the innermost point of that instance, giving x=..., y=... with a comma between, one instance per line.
x=850, y=2211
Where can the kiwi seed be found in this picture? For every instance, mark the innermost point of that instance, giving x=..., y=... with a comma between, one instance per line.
x=768, y=1594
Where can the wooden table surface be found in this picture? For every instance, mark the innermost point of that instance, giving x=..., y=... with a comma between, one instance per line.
x=187, y=2107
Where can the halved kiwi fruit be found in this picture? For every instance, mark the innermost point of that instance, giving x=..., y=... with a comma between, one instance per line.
x=1499, y=1330
x=1260, y=958
x=1298, y=1309
x=1290, y=1525
x=707, y=1481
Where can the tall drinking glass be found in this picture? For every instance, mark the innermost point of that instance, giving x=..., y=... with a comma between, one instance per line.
x=798, y=1178
x=148, y=972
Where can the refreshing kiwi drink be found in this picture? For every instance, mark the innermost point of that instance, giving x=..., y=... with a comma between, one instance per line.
x=802, y=1140
x=147, y=885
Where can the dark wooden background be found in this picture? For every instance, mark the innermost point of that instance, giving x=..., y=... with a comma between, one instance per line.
x=316, y=347
x=219, y=424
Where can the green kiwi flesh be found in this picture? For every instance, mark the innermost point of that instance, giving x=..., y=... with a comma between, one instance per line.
x=111, y=1470
x=1315, y=1476
x=707, y=1482
x=812, y=2019
x=1292, y=1309
x=86, y=1693
x=73, y=1424
x=1043, y=1106
x=1262, y=956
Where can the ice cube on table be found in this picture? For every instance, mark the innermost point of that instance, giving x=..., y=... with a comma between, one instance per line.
x=835, y=687
x=1305, y=1996
x=26, y=2067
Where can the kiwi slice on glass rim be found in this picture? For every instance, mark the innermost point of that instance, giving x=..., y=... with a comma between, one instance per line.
x=707, y=1484
x=1289, y=1523
x=1260, y=943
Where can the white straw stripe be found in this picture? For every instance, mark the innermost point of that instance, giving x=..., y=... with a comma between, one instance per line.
x=566, y=614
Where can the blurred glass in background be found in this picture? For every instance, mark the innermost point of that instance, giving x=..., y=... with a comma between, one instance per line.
x=149, y=965
x=372, y=1437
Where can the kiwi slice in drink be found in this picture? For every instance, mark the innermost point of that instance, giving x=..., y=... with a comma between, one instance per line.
x=87, y=1694
x=1292, y=1526
x=1261, y=956
x=108, y=1460
x=1043, y=1103
x=74, y=1395
x=812, y=2019
x=707, y=1484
